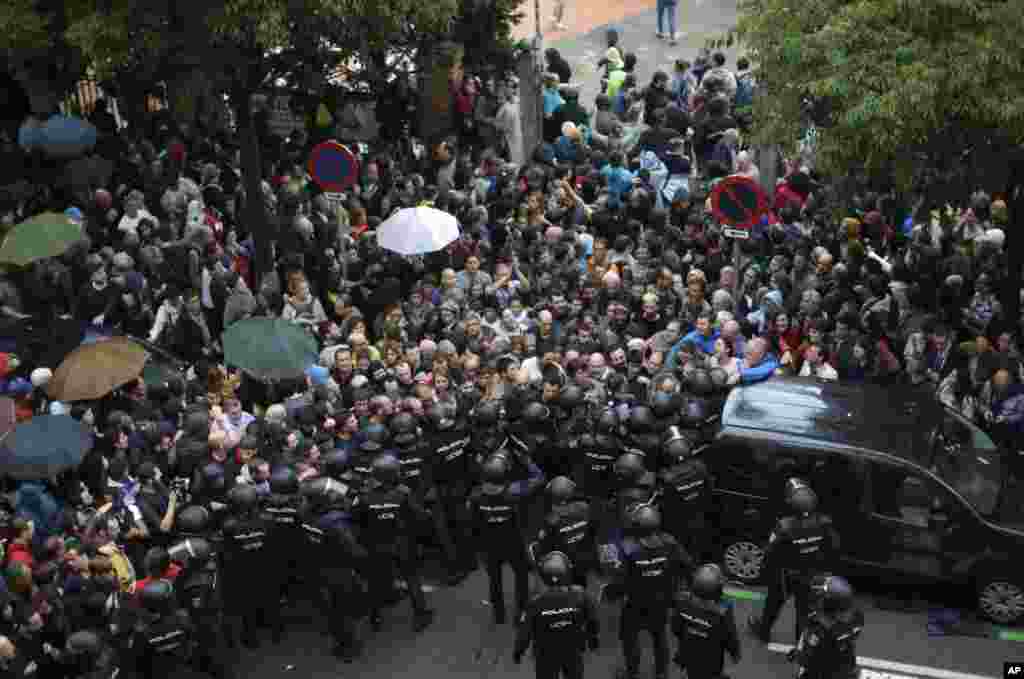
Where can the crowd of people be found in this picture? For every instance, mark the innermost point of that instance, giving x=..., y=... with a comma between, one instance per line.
x=591, y=310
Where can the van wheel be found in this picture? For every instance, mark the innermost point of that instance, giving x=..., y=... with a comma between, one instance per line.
x=1000, y=599
x=744, y=560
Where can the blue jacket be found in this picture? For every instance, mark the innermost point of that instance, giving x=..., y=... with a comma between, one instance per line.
x=35, y=502
x=620, y=182
x=705, y=344
x=760, y=372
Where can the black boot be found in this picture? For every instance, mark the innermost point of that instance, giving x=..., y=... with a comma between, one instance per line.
x=423, y=619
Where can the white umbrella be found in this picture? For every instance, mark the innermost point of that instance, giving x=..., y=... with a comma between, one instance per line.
x=417, y=231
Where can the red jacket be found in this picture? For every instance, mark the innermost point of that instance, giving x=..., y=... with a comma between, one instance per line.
x=19, y=553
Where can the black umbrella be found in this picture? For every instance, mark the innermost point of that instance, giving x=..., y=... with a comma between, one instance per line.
x=44, y=447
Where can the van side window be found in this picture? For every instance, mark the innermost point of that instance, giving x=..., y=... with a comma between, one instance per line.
x=741, y=469
x=906, y=495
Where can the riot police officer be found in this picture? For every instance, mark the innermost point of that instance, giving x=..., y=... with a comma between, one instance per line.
x=827, y=647
x=284, y=540
x=86, y=656
x=799, y=548
x=496, y=507
x=536, y=427
x=389, y=516
x=331, y=545
x=161, y=642
x=337, y=465
x=568, y=528
x=245, y=534
x=633, y=482
x=643, y=437
x=198, y=592
x=412, y=452
x=653, y=566
x=488, y=435
x=375, y=440
x=704, y=625
x=559, y=623
x=450, y=470
x=686, y=494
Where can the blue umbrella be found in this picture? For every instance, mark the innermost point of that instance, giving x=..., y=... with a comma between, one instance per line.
x=67, y=136
x=43, y=447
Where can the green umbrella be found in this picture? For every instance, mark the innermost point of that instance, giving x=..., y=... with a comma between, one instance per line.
x=269, y=348
x=47, y=235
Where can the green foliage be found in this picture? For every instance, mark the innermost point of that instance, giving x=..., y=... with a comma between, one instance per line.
x=901, y=79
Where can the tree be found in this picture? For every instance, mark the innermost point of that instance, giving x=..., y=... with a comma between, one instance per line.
x=891, y=83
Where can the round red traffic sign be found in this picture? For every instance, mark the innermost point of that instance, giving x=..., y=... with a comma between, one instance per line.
x=333, y=166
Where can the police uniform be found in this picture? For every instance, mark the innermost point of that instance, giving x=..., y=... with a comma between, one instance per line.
x=569, y=528
x=161, y=646
x=496, y=508
x=687, y=499
x=244, y=576
x=198, y=590
x=450, y=466
x=827, y=647
x=559, y=623
x=331, y=544
x=705, y=630
x=284, y=541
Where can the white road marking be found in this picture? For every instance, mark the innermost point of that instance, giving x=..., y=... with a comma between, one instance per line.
x=872, y=666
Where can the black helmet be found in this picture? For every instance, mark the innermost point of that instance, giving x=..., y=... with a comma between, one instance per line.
x=157, y=596
x=719, y=378
x=561, y=489
x=386, y=469
x=534, y=413
x=555, y=568
x=630, y=466
x=487, y=414
x=694, y=413
x=323, y=492
x=588, y=441
x=800, y=496
x=188, y=551
x=677, y=446
x=337, y=462
x=85, y=647
x=663, y=404
x=571, y=397
x=284, y=480
x=608, y=422
x=708, y=582
x=213, y=477
x=700, y=382
x=494, y=469
x=243, y=497
x=645, y=518
x=441, y=418
x=376, y=437
x=403, y=423
x=192, y=520
x=834, y=593
x=606, y=443
x=641, y=419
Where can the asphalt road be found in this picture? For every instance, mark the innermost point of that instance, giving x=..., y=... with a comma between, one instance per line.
x=464, y=643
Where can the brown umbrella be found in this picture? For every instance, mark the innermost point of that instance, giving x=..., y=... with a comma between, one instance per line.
x=94, y=370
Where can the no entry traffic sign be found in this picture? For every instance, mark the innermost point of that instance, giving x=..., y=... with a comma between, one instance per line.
x=739, y=202
x=333, y=167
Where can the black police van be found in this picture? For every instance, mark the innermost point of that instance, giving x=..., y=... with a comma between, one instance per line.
x=916, y=491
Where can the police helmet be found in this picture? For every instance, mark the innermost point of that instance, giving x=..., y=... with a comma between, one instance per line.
x=337, y=462
x=535, y=413
x=663, y=404
x=641, y=419
x=85, y=646
x=403, y=423
x=645, y=518
x=694, y=413
x=157, y=596
x=284, y=480
x=608, y=422
x=833, y=592
x=213, y=476
x=323, y=492
x=800, y=496
x=606, y=443
x=376, y=437
x=561, y=489
x=719, y=378
x=700, y=382
x=386, y=469
x=487, y=414
x=441, y=418
x=190, y=550
x=555, y=568
x=243, y=498
x=630, y=466
x=588, y=441
x=192, y=520
x=708, y=582
x=677, y=446
x=494, y=469
x=571, y=397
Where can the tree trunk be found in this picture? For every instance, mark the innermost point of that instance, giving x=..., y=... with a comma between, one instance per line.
x=255, y=211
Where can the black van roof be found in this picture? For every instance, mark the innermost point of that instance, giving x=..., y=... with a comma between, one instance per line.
x=895, y=420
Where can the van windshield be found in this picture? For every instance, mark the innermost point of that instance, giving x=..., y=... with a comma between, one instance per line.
x=967, y=459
